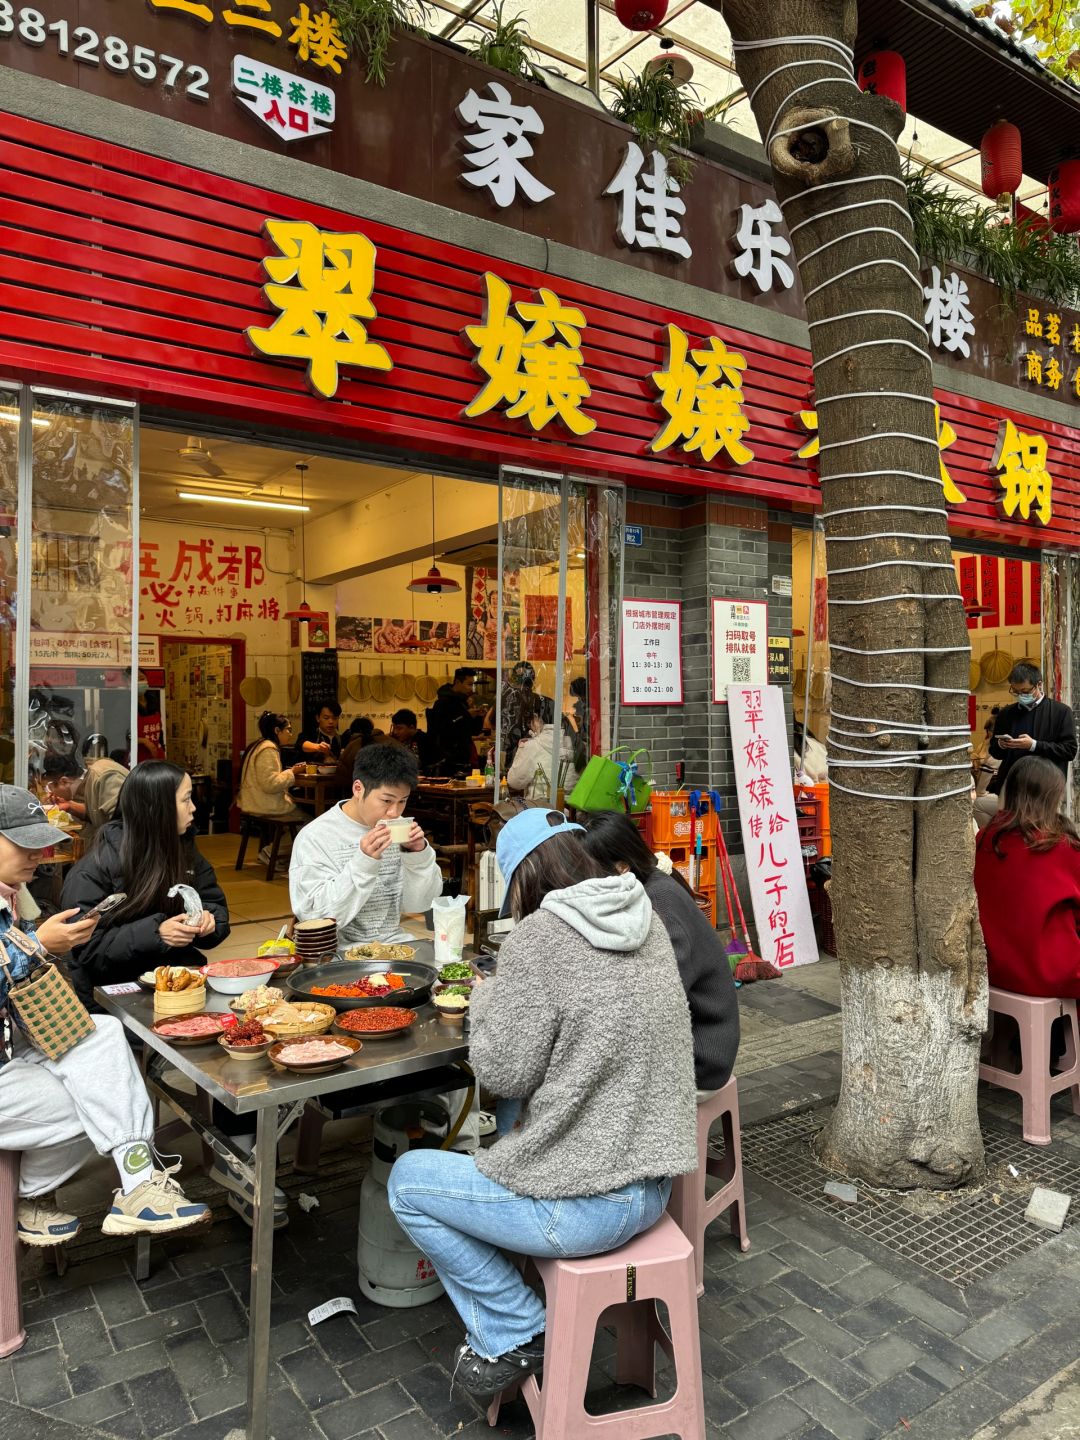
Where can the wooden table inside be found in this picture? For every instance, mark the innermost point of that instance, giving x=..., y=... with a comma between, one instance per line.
x=319, y=791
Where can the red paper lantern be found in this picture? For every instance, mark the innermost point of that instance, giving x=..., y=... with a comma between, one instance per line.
x=1002, y=160
x=1064, y=188
x=641, y=14
x=883, y=72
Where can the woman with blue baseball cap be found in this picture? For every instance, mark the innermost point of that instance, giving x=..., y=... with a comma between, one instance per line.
x=587, y=1026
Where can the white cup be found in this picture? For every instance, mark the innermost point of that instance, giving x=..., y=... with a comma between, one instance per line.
x=399, y=828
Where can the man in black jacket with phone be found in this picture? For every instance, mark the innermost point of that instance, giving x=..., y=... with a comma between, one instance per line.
x=1032, y=725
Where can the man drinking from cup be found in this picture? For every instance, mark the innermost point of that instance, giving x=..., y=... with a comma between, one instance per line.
x=364, y=861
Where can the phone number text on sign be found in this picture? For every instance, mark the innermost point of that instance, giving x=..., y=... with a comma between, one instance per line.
x=87, y=47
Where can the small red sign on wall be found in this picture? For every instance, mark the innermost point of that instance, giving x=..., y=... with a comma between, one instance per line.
x=1014, y=592
x=988, y=567
x=1036, y=594
x=969, y=586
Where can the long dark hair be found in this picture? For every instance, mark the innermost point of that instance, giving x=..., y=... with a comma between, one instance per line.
x=556, y=864
x=153, y=855
x=613, y=839
x=1031, y=805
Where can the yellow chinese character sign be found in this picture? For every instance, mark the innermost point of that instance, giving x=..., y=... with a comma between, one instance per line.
x=1026, y=483
x=317, y=38
x=946, y=436
x=322, y=315
x=701, y=393
x=534, y=368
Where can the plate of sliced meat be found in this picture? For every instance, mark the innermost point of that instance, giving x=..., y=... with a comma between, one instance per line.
x=190, y=1029
x=313, y=1054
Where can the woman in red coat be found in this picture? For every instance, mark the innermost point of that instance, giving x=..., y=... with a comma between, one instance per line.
x=1027, y=877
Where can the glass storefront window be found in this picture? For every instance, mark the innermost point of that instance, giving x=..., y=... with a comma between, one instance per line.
x=9, y=491
x=561, y=570
x=78, y=698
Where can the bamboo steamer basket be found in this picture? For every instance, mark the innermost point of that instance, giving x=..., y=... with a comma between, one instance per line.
x=995, y=666
x=281, y=1025
x=180, y=1002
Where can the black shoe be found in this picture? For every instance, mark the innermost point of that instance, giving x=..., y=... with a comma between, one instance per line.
x=488, y=1377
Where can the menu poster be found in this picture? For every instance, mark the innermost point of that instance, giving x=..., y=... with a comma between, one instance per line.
x=319, y=678
x=652, y=652
x=739, y=645
x=770, y=830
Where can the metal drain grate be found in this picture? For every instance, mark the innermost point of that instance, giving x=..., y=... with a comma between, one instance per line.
x=961, y=1238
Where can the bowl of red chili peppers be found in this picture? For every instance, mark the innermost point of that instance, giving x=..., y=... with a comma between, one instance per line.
x=383, y=1022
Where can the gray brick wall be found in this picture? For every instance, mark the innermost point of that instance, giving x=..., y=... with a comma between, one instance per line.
x=693, y=563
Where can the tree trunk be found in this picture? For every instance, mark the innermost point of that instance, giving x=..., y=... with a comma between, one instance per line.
x=912, y=963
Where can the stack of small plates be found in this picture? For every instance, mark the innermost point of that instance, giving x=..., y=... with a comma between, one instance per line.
x=315, y=940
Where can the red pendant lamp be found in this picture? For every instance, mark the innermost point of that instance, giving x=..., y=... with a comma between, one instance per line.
x=1064, y=190
x=1002, y=160
x=434, y=582
x=641, y=14
x=303, y=612
x=883, y=72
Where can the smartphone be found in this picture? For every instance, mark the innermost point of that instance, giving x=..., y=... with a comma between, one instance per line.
x=104, y=906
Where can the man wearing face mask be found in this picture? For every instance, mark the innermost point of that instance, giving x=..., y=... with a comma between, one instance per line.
x=1032, y=725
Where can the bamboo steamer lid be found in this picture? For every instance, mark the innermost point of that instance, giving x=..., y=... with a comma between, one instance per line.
x=974, y=674
x=255, y=690
x=382, y=687
x=426, y=686
x=995, y=665
x=405, y=686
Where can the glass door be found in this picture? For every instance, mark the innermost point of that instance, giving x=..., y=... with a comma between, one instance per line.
x=74, y=692
x=560, y=563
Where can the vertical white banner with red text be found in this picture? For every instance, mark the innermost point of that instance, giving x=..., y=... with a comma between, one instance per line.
x=770, y=831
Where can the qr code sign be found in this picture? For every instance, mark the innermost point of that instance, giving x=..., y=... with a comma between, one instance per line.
x=740, y=669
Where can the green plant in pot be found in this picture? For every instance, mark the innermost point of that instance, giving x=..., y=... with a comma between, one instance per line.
x=665, y=115
x=368, y=28
x=506, y=45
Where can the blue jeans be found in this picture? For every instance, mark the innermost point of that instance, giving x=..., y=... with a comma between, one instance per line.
x=462, y=1221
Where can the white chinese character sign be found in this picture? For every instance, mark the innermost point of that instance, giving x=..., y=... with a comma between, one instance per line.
x=770, y=829
x=499, y=146
x=740, y=648
x=294, y=108
x=761, y=254
x=947, y=313
x=649, y=204
x=652, y=652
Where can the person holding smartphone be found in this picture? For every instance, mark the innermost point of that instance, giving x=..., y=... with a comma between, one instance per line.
x=1032, y=725
x=143, y=853
x=57, y=1113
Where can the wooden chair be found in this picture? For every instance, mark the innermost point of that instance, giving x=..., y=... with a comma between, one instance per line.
x=269, y=830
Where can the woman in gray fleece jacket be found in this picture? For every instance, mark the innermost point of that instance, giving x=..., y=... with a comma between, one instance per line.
x=587, y=1025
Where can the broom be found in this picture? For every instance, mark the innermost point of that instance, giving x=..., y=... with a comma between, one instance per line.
x=735, y=950
x=751, y=967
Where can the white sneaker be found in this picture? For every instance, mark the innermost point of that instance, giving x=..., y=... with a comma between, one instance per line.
x=156, y=1206
x=41, y=1223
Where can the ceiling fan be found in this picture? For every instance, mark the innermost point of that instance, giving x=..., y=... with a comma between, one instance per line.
x=194, y=453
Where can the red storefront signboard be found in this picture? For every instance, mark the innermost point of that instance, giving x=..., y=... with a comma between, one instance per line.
x=143, y=277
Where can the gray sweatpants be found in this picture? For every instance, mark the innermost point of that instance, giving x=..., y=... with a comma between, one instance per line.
x=58, y=1112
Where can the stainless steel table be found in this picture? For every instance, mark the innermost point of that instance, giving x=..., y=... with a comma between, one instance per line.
x=382, y=1068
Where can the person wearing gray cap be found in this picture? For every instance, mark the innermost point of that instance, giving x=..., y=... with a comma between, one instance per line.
x=56, y=1113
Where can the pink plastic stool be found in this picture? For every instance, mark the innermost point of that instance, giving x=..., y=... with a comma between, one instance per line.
x=12, y=1334
x=625, y=1283
x=690, y=1207
x=1035, y=1084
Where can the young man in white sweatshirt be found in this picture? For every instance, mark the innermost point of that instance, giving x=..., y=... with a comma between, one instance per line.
x=345, y=865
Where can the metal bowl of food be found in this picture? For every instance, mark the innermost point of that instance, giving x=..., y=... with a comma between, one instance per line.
x=355, y=984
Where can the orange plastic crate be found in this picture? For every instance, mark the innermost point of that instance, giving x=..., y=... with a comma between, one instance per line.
x=671, y=822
